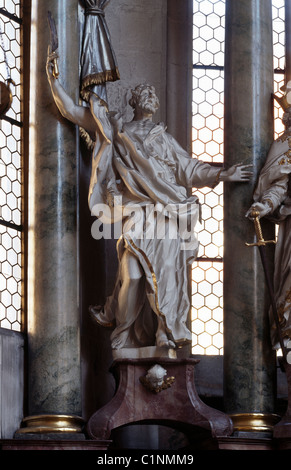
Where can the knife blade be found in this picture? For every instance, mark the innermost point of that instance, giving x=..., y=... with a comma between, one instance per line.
x=54, y=42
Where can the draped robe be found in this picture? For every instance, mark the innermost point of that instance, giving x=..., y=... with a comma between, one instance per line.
x=142, y=166
x=274, y=187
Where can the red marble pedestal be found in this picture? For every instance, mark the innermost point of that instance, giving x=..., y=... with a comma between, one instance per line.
x=178, y=405
x=282, y=430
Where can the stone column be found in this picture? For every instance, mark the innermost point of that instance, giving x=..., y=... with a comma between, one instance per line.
x=53, y=369
x=249, y=363
x=180, y=71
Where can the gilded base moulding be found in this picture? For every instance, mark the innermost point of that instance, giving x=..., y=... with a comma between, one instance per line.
x=43, y=424
x=254, y=422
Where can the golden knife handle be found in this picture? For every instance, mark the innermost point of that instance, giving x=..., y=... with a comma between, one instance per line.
x=258, y=227
x=56, y=72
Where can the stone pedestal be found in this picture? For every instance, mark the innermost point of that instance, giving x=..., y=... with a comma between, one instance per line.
x=175, y=403
x=282, y=430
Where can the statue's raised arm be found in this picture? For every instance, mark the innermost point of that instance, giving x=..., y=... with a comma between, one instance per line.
x=98, y=66
x=79, y=115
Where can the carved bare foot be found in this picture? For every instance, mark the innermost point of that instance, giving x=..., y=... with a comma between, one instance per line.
x=120, y=340
x=162, y=341
x=96, y=312
x=169, y=344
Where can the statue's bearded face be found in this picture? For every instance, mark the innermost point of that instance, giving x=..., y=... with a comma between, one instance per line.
x=145, y=98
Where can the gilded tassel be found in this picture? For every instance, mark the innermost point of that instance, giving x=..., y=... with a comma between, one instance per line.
x=98, y=79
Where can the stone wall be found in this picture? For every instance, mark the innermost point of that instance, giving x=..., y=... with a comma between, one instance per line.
x=139, y=35
x=11, y=382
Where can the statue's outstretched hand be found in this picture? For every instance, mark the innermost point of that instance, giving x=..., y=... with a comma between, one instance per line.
x=240, y=173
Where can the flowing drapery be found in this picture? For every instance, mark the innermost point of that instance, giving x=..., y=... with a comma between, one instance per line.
x=147, y=174
x=98, y=61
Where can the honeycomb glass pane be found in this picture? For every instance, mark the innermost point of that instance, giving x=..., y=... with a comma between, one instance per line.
x=207, y=308
x=10, y=59
x=279, y=80
x=278, y=11
x=279, y=60
x=208, y=32
x=208, y=113
x=11, y=172
x=210, y=231
x=10, y=279
x=207, y=145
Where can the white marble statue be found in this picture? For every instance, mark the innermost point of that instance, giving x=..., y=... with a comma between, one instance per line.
x=138, y=164
x=272, y=200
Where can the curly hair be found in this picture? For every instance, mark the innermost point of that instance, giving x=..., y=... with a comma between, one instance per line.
x=145, y=97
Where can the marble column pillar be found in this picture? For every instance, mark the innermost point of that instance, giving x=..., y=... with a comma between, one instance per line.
x=180, y=71
x=249, y=363
x=53, y=369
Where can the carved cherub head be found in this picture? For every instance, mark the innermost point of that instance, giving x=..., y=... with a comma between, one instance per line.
x=156, y=375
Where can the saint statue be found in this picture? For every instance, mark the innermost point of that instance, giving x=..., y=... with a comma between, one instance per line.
x=272, y=199
x=140, y=169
